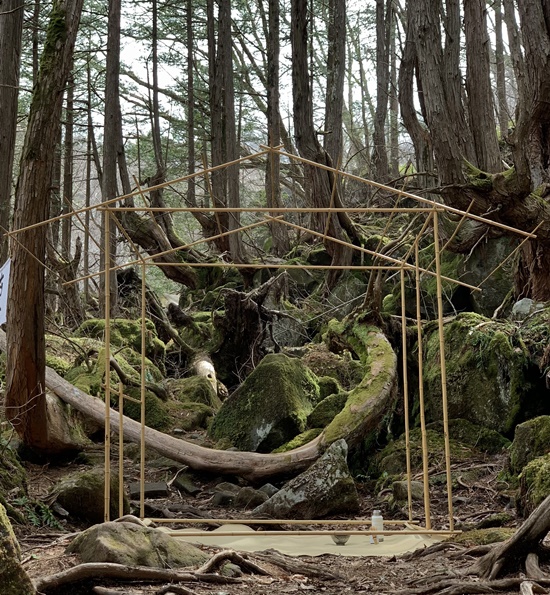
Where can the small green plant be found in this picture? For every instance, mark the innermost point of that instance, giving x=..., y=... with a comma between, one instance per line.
x=37, y=513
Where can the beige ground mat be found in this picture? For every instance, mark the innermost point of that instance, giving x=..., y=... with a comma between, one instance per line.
x=305, y=545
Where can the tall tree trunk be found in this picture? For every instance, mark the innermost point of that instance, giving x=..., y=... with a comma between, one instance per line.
x=25, y=391
x=11, y=28
x=236, y=248
x=503, y=113
x=379, y=152
x=219, y=177
x=321, y=180
x=279, y=233
x=112, y=125
x=479, y=87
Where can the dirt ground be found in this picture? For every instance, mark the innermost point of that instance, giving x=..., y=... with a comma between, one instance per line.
x=43, y=550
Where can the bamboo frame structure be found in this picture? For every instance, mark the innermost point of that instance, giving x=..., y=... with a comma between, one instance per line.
x=430, y=209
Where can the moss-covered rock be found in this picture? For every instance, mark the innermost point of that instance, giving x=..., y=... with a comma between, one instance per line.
x=270, y=407
x=195, y=389
x=14, y=579
x=300, y=440
x=13, y=480
x=326, y=488
x=187, y=416
x=531, y=440
x=327, y=410
x=392, y=460
x=156, y=414
x=133, y=545
x=340, y=366
x=482, y=439
x=126, y=333
x=534, y=484
x=486, y=373
x=483, y=536
x=82, y=494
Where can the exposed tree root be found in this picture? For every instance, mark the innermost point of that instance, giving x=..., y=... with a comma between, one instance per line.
x=105, y=570
x=295, y=566
x=519, y=553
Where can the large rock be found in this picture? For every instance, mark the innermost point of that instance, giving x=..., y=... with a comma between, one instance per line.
x=82, y=494
x=486, y=367
x=14, y=579
x=326, y=488
x=534, y=484
x=135, y=545
x=269, y=408
x=531, y=440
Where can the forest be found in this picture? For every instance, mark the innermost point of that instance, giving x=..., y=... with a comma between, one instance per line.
x=295, y=256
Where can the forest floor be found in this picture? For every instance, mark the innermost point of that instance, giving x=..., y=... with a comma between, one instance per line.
x=43, y=550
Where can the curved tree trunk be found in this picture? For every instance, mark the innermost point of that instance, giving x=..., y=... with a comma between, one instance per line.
x=363, y=412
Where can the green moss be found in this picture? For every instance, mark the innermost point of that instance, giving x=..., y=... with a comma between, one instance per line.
x=392, y=460
x=270, y=407
x=195, y=389
x=187, y=416
x=328, y=386
x=391, y=304
x=327, y=410
x=156, y=415
x=14, y=579
x=379, y=361
x=486, y=380
x=534, y=484
x=126, y=333
x=483, y=536
x=58, y=364
x=300, y=440
x=531, y=440
x=483, y=439
x=341, y=366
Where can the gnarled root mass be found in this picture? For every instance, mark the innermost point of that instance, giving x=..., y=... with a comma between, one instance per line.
x=520, y=553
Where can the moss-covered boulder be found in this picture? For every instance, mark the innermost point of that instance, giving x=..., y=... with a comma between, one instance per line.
x=481, y=438
x=13, y=577
x=483, y=536
x=534, y=484
x=187, y=417
x=486, y=373
x=82, y=494
x=126, y=333
x=326, y=488
x=531, y=440
x=327, y=410
x=392, y=460
x=300, y=440
x=195, y=389
x=13, y=480
x=134, y=545
x=340, y=366
x=156, y=413
x=269, y=408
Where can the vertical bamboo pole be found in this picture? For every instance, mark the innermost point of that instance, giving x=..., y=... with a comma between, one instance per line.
x=443, y=369
x=421, y=394
x=406, y=392
x=142, y=395
x=121, y=449
x=106, y=247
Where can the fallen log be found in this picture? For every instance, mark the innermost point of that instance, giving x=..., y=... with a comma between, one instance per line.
x=363, y=411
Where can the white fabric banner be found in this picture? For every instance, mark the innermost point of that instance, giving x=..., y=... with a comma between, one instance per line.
x=4, y=281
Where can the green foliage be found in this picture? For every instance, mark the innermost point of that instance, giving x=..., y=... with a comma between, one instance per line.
x=36, y=513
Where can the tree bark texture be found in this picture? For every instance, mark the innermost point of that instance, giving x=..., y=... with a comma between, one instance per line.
x=323, y=194
x=11, y=28
x=25, y=396
x=479, y=87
